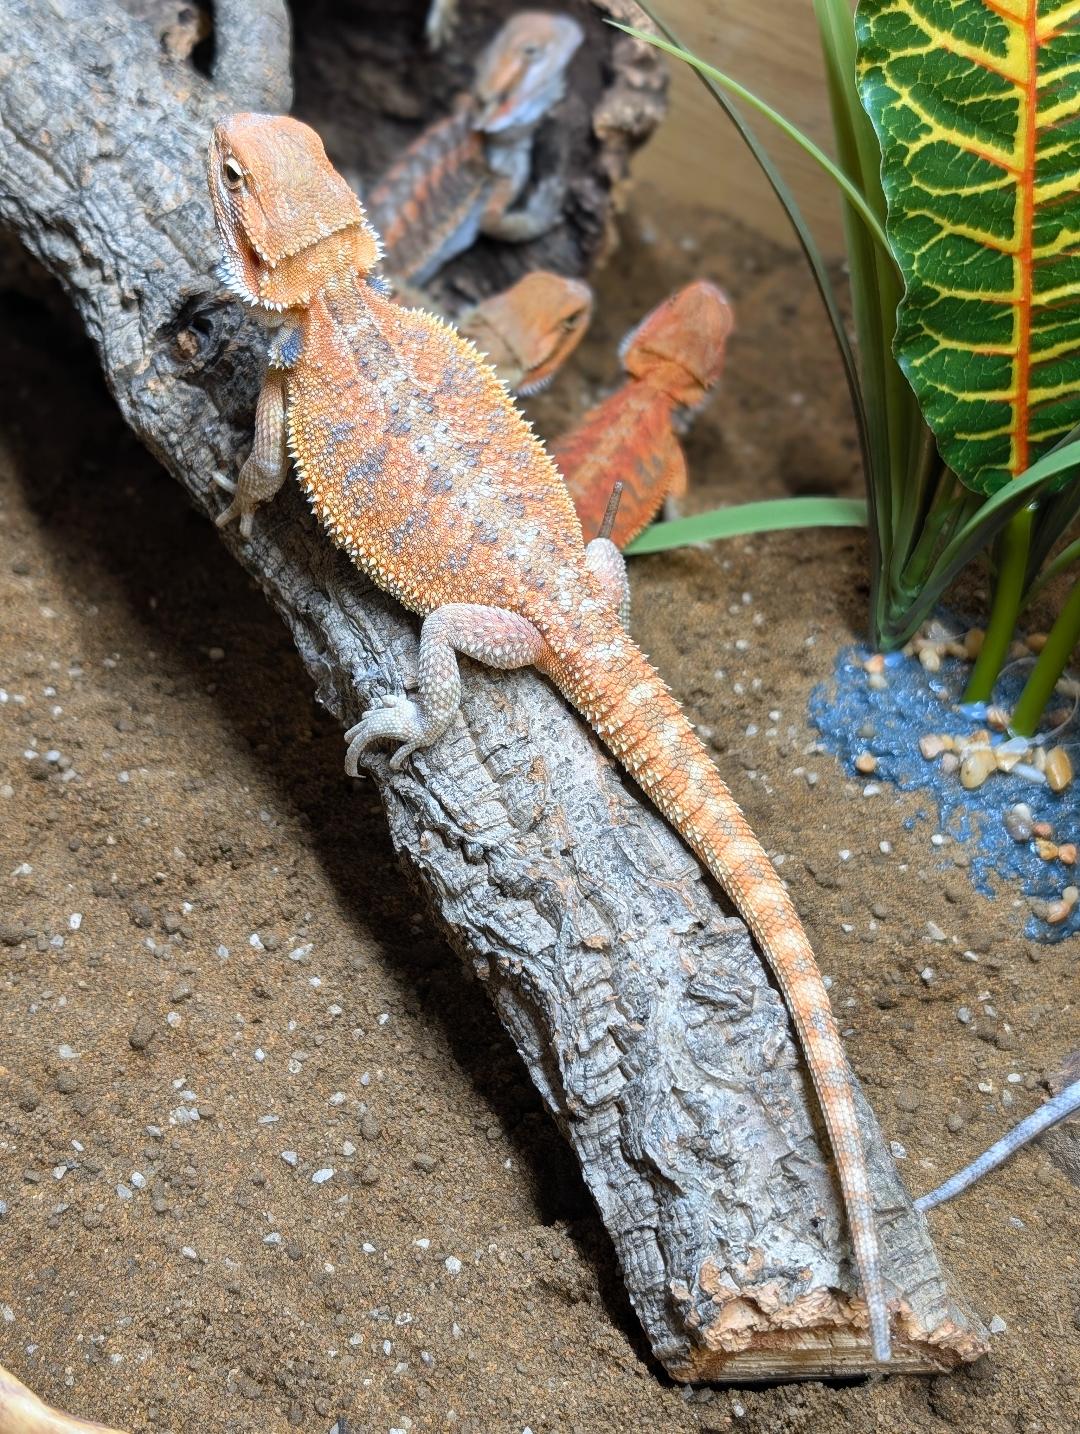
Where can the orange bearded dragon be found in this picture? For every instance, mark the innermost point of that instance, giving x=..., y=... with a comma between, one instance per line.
x=418, y=463
x=672, y=360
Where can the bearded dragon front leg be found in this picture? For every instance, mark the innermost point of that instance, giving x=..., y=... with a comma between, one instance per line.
x=490, y=635
x=540, y=212
x=268, y=463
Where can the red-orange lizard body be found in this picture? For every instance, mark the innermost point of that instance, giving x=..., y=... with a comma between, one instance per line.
x=420, y=466
x=672, y=360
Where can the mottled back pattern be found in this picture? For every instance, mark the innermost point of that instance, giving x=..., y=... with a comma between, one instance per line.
x=419, y=463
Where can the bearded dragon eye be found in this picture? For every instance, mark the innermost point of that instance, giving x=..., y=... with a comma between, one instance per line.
x=233, y=174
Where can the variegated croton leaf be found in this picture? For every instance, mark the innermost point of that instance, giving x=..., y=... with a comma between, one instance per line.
x=976, y=104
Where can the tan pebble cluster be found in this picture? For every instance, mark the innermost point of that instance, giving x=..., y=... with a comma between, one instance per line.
x=934, y=643
x=977, y=759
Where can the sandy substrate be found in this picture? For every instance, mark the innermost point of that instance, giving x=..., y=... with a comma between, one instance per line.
x=371, y=1215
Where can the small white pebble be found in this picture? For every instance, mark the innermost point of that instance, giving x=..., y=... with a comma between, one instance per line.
x=290, y=1157
x=75, y=921
x=260, y=1054
x=997, y=1325
x=898, y=1151
x=188, y=1252
x=320, y=1177
x=453, y=1264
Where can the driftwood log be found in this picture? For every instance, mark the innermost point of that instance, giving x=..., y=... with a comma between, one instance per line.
x=640, y=1008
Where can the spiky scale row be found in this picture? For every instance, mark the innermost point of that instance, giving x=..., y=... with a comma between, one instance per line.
x=418, y=462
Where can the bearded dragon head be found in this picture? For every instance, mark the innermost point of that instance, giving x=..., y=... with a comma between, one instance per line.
x=680, y=344
x=530, y=330
x=522, y=73
x=289, y=225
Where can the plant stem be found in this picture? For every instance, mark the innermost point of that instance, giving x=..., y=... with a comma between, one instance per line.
x=1005, y=609
x=1050, y=664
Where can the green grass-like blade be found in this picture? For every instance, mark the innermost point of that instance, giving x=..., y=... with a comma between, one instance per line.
x=771, y=516
x=849, y=191
x=807, y=243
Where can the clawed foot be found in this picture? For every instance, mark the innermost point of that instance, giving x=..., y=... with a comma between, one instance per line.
x=235, y=509
x=397, y=719
x=225, y=517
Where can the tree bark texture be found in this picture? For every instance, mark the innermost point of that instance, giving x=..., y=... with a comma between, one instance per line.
x=640, y=1008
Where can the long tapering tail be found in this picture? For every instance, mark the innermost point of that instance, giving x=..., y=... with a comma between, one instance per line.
x=613, y=684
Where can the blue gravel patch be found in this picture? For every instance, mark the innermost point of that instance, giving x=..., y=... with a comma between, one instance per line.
x=916, y=702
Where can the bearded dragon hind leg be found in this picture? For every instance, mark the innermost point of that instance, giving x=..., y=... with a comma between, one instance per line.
x=396, y=719
x=491, y=635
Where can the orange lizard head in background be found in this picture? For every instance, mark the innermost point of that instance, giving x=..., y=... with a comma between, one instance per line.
x=679, y=346
x=522, y=73
x=285, y=217
x=530, y=330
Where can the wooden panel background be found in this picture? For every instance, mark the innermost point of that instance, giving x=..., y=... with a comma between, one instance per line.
x=770, y=46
